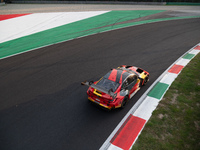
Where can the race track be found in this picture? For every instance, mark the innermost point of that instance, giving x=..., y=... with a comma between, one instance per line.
x=43, y=105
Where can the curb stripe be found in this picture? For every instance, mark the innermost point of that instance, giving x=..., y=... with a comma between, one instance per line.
x=188, y=56
x=10, y=16
x=176, y=69
x=195, y=52
x=197, y=47
x=145, y=110
x=129, y=132
x=124, y=124
x=113, y=147
x=183, y=62
x=168, y=78
x=159, y=90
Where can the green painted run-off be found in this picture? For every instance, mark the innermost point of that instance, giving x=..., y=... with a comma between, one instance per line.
x=74, y=30
x=105, y=22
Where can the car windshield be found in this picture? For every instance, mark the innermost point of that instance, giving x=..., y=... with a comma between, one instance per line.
x=108, y=84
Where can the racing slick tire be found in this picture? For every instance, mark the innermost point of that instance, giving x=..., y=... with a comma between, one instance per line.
x=124, y=102
x=146, y=80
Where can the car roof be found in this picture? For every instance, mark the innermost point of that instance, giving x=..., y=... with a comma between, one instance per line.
x=118, y=75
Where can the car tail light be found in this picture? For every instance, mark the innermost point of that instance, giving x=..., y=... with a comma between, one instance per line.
x=89, y=92
x=114, y=99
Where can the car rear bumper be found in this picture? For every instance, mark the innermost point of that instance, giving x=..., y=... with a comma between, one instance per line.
x=100, y=104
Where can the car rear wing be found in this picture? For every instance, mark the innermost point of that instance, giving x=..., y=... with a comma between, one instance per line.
x=99, y=88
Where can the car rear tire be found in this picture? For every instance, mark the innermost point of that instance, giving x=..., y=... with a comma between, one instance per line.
x=124, y=102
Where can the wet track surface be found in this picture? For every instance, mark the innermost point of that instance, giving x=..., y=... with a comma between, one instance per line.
x=43, y=105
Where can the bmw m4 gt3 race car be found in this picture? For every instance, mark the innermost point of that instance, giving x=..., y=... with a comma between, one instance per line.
x=118, y=86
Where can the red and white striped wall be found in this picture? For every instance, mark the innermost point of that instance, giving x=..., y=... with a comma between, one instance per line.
x=128, y=130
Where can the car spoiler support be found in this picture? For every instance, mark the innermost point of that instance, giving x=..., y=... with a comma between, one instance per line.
x=91, y=84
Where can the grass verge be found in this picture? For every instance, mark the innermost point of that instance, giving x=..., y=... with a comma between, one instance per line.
x=175, y=124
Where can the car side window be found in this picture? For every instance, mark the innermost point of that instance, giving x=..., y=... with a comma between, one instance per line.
x=129, y=80
x=125, y=83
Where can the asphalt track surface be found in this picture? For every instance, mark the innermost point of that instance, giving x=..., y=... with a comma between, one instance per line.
x=43, y=106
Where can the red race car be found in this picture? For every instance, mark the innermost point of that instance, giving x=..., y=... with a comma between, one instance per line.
x=118, y=86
